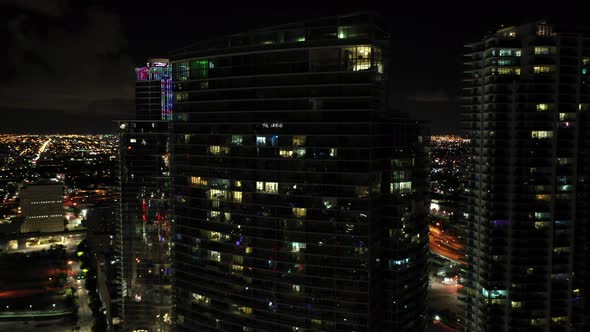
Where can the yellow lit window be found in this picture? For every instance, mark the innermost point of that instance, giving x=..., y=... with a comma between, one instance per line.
x=198, y=181
x=237, y=268
x=217, y=150
x=286, y=153
x=541, y=224
x=299, y=212
x=248, y=250
x=542, y=69
x=541, y=134
x=296, y=288
x=358, y=58
x=537, y=321
x=237, y=196
x=516, y=304
x=542, y=107
x=216, y=194
x=214, y=214
x=238, y=183
x=214, y=236
x=299, y=140
x=507, y=71
x=243, y=309
x=561, y=319
x=543, y=197
x=198, y=298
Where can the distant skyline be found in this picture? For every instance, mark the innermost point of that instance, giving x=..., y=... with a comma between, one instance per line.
x=69, y=65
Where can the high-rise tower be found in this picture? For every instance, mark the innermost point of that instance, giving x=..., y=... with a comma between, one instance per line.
x=525, y=103
x=298, y=196
x=143, y=235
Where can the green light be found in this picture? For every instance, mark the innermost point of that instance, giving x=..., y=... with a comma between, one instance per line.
x=80, y=253
x=584, y=71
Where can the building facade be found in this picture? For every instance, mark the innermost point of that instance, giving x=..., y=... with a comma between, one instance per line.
x=299, y=199
x=143, y=233
x=526, y=100
x=42, y=206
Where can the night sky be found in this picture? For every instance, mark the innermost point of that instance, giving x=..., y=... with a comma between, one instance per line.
x=68, y=64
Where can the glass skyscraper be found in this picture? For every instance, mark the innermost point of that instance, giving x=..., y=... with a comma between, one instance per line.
x=143, y=233
x=525, y=105
x=298, y=197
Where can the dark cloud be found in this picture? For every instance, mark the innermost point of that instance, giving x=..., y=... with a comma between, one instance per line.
x=64, y=57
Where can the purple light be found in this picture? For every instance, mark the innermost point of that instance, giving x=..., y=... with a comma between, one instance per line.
x=501, y=222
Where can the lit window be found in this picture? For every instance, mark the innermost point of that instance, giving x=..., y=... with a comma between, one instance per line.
x=237, y=196
x=243, y=309
x=544, y=29
x=215, y=256
x=510, y=52
x=333, y=152
x=401, y=187
x=543, y=197
x=296, y=288
x=299, y=152
x=248, y=250
x=197, y=181
x=214, y=215
x=357, y=58
x=297, y=246
x=362, y=191
x=540, y=134
x=542, y=107
x=216, y=194
x=586, y=61
x=299, y=140
x=541, y=224
x=198, y=298
x=260, y=140
x=542, y=69
x=299, y=212
x=542, y=51
x=214, y=236
x=236, y=139
x=542, y=215
x=217, y=150
x=516, y=304
x=506, y=71
x=494, y=293
x=267, y=187
x=286, y=153
x=237, y=268
x=561, y=319
x=561, y=250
